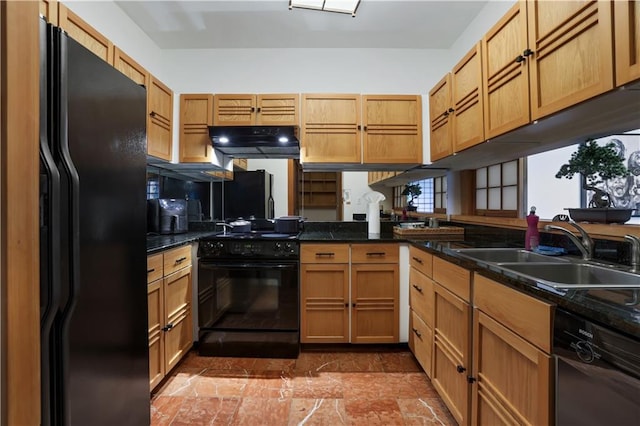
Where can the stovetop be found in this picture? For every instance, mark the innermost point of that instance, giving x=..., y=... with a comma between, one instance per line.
x=253, y=244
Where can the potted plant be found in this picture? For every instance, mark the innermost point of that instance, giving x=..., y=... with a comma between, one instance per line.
x=413, y=190
x=596, y=164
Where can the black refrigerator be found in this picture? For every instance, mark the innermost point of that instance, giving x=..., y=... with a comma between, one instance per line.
x=93, y=298
x=249, y=195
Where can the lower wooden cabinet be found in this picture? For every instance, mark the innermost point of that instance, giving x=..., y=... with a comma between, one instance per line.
x=349, y=300
x=169, y=310
x=452, y=352
x=512, y=367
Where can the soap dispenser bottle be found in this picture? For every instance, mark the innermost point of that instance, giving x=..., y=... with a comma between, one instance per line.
x=532, y=236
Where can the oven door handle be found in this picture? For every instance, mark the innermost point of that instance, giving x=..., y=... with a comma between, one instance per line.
x=249, y=265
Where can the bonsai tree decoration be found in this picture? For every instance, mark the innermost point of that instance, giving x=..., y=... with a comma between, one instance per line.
x=414, y=191
x=596, y=164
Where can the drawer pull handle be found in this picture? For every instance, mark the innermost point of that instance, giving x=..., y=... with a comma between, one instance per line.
x=182, y=259
x=417, y=259
x=417, y=288
x=460, y=369
x=167, y=327
x=150, y=270
x=325, y=254
x=377, y=253
x=417, y=333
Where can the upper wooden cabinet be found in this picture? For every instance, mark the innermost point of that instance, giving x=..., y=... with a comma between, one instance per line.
x=440, y=110
x=456, y=108
x=571, y=58
x=330, y=128
x=159, y=119
x=505, y=80
x=248, y=109
x=196, y=115
x=627, y=40
x=127, y=66
x=369, y=129
x=85, y=34
x=542, y=57
x=392, y=129
x=49, y=9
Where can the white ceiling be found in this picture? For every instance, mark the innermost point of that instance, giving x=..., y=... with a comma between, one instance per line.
x=417, y=24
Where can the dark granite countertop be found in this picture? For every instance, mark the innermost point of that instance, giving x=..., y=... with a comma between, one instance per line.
x=157, y=243
x=608, y=307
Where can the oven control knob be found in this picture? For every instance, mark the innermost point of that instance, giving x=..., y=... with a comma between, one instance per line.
x=277, y=246
x=218, y=246
x=288, y=248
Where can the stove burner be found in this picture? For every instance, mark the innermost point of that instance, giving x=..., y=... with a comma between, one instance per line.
x=276, y=236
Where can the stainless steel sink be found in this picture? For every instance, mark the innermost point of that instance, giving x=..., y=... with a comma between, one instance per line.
x=574, y=275
x=506, y=255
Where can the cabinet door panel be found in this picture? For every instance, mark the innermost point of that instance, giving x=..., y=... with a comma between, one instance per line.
x=278, y=109
x=155, y=302
x=177, y=313
x=421, y=295
x=466, y=96
x=374, y=303
x=503, y=361
x=85, y=34
x=627, y=44
x=159, y=124
x=505, y=81
x=421, y=341
x=331, y=129
x=452, y=351
x=127, y=66
x=392, y=129
x=234, y=110
x=573, y=55
x=324, y=291
x=196, y=114
x=440, y=123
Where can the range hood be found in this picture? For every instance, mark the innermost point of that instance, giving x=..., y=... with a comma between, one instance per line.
x=256, y=141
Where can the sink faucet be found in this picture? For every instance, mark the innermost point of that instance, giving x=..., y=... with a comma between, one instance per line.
x=635, y=252
x=224, y=227
x=585, y=245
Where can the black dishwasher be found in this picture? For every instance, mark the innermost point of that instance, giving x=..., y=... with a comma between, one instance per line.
x=597, y=373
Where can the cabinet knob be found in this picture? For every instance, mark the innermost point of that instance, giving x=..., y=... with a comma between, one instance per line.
x=259, y=109
x=460, y=369
x=445, y=114
x=527, y=52
x=471, y=379
x=167, y=327
x=253, y=109
x=520, y=58
x=451, y=110
x=152, y=113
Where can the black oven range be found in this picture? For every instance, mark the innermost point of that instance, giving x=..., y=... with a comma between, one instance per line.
x=248, y=295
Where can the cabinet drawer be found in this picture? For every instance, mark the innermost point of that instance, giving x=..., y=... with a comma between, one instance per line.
x=154, y=267
x=452, y=277
x=421, y=295
x=177, y=259
x=421, y=260
x=421, y=341
x=324, y=253
x=374, y=253
x=527, y=316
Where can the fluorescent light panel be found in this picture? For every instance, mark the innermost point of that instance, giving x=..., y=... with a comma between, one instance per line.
x=341, y=6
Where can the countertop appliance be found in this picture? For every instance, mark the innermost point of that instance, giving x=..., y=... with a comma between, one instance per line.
x=167, y=216
x=256, y=141
x=597, y=373
x=248, y=295
x=93, y=301
x=249, y=195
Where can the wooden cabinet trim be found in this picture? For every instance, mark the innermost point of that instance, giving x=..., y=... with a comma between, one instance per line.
x=627, y=46
x=421, y=260
x=85, y=34
x=129, y=67
x=452, y=277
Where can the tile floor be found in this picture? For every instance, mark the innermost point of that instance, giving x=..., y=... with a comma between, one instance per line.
x=319, y=388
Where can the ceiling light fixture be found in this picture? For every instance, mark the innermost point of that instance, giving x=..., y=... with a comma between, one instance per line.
x=339, y=6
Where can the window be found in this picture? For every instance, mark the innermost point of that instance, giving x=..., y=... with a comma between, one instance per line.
x=497, y=190
x=440, y=194
x=424, y=202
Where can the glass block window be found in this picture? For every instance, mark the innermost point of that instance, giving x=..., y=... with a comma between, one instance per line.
x=497, y=188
